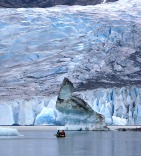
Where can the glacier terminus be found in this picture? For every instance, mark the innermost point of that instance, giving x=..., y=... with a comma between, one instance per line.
x=96, y=50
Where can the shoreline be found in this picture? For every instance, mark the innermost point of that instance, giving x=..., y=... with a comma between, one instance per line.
x=38, y=128
x=130, y=127
x=54, y=128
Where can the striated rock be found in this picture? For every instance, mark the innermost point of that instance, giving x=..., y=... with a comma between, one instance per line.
x=48, y=3
x=129, y=129
x=76, y=111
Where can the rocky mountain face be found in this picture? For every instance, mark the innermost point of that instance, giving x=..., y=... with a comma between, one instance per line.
x=48, y=3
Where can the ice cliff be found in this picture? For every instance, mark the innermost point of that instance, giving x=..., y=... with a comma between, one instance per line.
x=96, y=47
x=119, y=106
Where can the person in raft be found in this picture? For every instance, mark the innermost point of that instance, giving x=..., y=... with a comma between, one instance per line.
x=63, y=133
x=58, y=133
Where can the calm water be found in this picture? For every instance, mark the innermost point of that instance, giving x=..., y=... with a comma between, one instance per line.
x=43, y=143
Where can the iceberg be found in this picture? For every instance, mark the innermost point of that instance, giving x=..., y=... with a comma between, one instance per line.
x=77, y=112
x=9, y=132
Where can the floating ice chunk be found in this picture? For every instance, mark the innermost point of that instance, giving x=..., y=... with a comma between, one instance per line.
x=9, y=132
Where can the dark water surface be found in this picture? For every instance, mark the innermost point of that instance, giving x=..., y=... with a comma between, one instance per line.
x=44, y=143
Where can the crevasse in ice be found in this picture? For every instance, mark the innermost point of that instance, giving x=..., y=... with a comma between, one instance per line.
x=119, y=106
x=96, y=47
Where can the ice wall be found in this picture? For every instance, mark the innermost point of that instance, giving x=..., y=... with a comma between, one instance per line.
x=6, y=114
x=21, y=111
x=120, y=106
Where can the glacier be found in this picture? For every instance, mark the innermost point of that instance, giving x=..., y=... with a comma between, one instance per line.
x=95, y=47
x=119, y=106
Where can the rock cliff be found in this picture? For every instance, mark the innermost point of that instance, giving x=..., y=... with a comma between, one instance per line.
x=47, y=3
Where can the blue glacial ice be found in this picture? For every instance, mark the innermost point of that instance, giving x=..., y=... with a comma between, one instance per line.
x=49, y=115
x=119, y=106
x=41, y=46
x=96, y=47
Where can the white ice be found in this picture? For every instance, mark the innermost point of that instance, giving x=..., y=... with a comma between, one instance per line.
x=9, y=132
x=6, y=114
x=120, y=106
x=41, y=46
x=75, y=41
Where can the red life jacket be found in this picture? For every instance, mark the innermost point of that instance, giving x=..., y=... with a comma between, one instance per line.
x=62, y=133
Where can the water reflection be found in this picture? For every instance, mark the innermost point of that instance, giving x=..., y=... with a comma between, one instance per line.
x=44, y=143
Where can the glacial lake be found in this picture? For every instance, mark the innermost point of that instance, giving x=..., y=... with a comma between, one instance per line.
x=88, y=143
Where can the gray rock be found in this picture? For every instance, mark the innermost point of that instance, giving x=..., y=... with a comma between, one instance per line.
x=47, y=3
